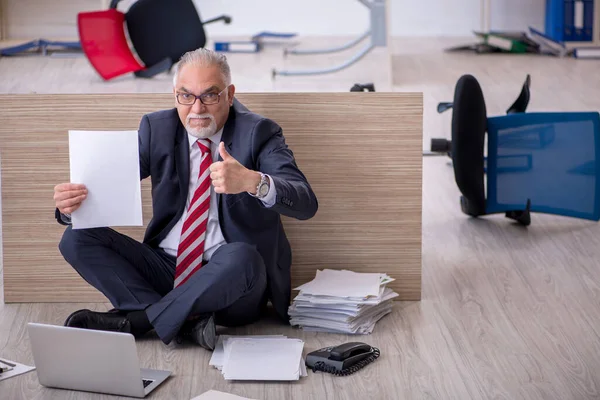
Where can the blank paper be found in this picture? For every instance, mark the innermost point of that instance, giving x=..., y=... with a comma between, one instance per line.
x=343, y=283
x=218, y=354
x=218, y=395
x=107, y=162
x=18, y=369
x=263, y=359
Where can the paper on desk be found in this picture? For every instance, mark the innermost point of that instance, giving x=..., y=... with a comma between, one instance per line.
x=216, y=395
x=107, y=162
x=17, y=369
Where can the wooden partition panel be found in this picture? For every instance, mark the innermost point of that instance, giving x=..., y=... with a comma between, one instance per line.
x=361, y=152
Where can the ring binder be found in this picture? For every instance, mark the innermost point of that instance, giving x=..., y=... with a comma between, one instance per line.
x=570, y=20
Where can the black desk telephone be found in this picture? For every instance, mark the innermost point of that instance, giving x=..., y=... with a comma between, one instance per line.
x=344, y=359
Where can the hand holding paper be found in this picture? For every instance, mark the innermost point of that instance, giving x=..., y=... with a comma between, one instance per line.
x=106, y=163
x=69, y=196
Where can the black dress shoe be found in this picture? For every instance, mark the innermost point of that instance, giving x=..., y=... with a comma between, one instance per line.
x=101, y=321
x=200, y=331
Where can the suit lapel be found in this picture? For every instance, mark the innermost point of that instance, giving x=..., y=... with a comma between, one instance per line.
x=182, y=163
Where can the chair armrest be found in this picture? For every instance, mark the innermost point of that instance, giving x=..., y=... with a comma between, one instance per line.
x=224, y=18
x=444, y=107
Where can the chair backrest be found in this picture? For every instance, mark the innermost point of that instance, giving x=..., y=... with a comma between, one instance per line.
x=102, y=36
x=164, y=28
x=469, y=118
x=521, y=103
x=547, y=158
x=361, y=152
x=544, y=162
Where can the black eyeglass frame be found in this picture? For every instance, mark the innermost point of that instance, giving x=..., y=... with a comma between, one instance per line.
x=202, y=98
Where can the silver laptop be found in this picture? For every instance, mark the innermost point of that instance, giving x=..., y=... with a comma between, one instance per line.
x=91, y=361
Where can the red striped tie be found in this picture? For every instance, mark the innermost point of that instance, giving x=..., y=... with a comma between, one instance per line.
x=193, y=232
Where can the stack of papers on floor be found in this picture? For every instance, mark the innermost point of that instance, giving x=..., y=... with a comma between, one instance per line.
x=342, y=302
x=259, y=358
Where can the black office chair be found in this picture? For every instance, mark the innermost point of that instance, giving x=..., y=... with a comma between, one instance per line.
x=165, y=29
x=441, y=145
x=360, y=87
x=535, y=162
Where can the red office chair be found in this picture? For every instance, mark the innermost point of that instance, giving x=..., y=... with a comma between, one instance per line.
x=104, y=43
x=160, y=31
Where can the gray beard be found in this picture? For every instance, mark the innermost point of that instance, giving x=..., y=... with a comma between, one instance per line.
x=202, y=133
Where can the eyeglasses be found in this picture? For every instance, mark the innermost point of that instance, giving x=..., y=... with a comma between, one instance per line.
x=188, y=99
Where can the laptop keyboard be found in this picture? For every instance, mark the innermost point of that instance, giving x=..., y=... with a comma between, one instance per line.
x=147, y=382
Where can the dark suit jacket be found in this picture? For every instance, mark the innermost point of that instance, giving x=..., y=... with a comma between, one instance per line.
x=258, y=144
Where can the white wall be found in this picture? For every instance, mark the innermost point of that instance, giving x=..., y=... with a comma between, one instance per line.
x=407, y=17
x=461, y=17
x=44, y=18
x=307, y=17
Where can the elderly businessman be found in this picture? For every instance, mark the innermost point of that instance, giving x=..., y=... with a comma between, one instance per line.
x=215, y=251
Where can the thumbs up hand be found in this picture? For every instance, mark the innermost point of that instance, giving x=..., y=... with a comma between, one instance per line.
x=231, y=177
x=223, y=152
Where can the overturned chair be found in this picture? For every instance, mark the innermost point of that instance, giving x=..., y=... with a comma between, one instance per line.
x=542, y=162
x=160, y=32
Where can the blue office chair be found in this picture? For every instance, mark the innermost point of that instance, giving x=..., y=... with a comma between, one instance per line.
x=536, y=162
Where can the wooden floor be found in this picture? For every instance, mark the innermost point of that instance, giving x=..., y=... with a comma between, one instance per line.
x=506, y=313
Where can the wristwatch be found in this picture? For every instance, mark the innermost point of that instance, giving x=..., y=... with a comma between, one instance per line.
x=263, y=186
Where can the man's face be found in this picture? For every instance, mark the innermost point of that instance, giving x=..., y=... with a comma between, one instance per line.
x=203, y=120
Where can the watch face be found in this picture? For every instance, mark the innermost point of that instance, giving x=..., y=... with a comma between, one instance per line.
x=264, y=189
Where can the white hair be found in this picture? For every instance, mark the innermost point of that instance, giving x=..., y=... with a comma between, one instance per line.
x=204, y=57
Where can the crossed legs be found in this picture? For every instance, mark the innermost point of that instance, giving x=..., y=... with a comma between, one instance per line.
x=136, y=277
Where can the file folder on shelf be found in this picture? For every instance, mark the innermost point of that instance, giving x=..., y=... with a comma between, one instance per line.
x=570, y=20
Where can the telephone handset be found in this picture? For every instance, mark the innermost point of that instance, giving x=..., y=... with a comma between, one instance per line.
x=344, y=359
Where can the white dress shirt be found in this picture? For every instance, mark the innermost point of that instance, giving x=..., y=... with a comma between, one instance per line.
x=214, y=237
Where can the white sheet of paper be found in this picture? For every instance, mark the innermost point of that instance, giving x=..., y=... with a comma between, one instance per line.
x=343, y=283
x=303, y=371
x=107, y=162
x=279, y=359
x=217, y=395
x=218, y=355
x=18, y=369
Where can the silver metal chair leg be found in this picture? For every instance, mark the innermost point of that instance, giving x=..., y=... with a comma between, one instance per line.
x=336, y=68
x=330, y=49
x=377, y=31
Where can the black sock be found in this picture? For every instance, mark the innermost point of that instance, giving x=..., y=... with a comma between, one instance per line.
x=139, y=323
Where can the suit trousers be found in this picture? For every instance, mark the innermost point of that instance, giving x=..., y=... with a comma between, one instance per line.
x=135, y=276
